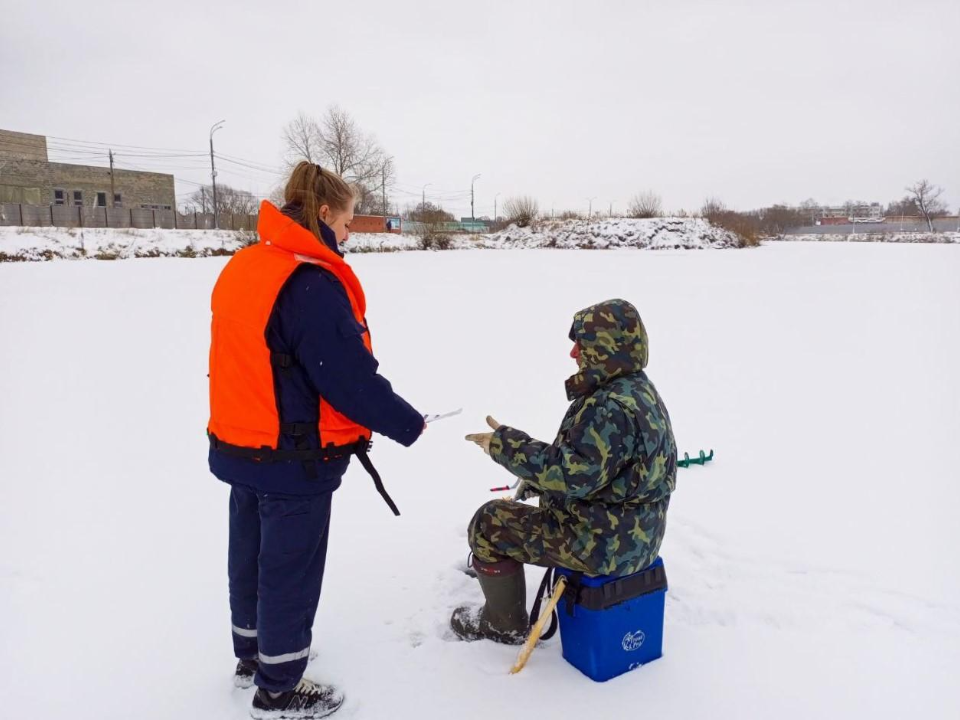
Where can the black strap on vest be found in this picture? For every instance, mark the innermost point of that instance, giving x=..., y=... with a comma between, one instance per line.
x=268, y=454
x=361, y=449
x=364, y=459
x=300, y=433
x=281, y=360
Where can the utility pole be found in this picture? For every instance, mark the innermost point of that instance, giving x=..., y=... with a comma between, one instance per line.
x=472, y=217
x=590, y=210
x=610, y=211
x=495, y=206
x=213, y=175
x=113, y=191
x=203, y=199
x=383, y=187
x=423, y=200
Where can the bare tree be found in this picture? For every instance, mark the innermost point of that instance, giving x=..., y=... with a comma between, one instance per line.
x=904, y=206
x=428, y=214
x=354, y=155
x=367, y=201
x=811, y=210
x=926, y=196
x=301, y=140
x=645, y=204
x=277, y=195
x=432, y=223
x=335, y=141
x=230, y=200
x=711, y=207
x=522, y=210
x=372, y=198
x=777, y=219
x=742, y=224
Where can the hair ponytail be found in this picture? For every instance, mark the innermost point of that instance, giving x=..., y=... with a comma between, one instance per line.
x=309, y=188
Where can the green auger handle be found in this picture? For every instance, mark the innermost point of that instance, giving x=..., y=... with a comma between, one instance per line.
x=688, y=461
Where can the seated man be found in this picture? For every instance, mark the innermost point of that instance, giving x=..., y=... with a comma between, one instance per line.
x=604, y=484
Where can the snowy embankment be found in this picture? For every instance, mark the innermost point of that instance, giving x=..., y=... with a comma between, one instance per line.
x=45, y=243
x=891, y=237
x=112, y=244
x=812, y=565
x=653, y=234
x=613, y=234
x=381, y=242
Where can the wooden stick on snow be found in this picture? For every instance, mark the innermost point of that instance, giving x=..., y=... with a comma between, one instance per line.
x=534, y=635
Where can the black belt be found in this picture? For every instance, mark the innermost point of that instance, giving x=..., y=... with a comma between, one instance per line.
x=360, y=448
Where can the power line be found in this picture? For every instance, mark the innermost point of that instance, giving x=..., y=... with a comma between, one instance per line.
x=188, y=160
x=33, y=147
x=93, y=151
x=249, y=168
x=120, y=145
x=56, y=153
x=250, y=163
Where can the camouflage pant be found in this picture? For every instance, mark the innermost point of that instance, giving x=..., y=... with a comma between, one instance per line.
x=592, y=542
x=503, y=529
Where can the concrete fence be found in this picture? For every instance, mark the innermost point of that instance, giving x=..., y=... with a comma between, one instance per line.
x=889, y=226
x=14, y=214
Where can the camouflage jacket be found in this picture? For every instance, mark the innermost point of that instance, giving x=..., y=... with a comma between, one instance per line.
x=607, y=477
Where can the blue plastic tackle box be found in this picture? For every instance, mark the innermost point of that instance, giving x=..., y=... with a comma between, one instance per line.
x=609, y=625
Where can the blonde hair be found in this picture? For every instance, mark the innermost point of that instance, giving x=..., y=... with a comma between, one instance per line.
x=309, y=188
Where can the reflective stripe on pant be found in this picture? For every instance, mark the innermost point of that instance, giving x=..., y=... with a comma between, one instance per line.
x=278, y=548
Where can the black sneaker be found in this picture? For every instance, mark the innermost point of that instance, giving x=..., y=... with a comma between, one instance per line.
x=306, y=701
x=246, y=669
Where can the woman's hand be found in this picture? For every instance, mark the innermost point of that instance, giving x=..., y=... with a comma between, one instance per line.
x=483, y=439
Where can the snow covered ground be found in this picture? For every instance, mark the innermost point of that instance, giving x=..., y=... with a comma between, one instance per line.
x=812, y=565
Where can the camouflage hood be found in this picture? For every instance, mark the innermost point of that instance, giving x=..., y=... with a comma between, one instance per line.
x=613, y=343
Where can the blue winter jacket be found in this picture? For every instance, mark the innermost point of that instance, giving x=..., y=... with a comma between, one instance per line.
x=312, y=321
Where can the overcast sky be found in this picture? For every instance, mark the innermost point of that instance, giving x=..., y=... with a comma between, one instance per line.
x=752, y=102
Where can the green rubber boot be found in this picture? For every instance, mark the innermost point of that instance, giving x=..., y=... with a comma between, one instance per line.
x=503, y=617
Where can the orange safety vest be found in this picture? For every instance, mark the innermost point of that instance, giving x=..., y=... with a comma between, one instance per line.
x=244, y=419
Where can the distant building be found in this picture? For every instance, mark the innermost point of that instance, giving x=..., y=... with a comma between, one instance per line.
x=844, y=214
x=27, y=176
x=478, y=225
x=376, y=224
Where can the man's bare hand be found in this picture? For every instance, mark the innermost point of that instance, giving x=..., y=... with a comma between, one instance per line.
x=483, y=439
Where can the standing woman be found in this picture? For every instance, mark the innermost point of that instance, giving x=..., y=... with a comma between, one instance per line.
x=294, y=392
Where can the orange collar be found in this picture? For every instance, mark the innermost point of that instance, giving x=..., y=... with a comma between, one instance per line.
x=284, y=232
x=278, y=230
